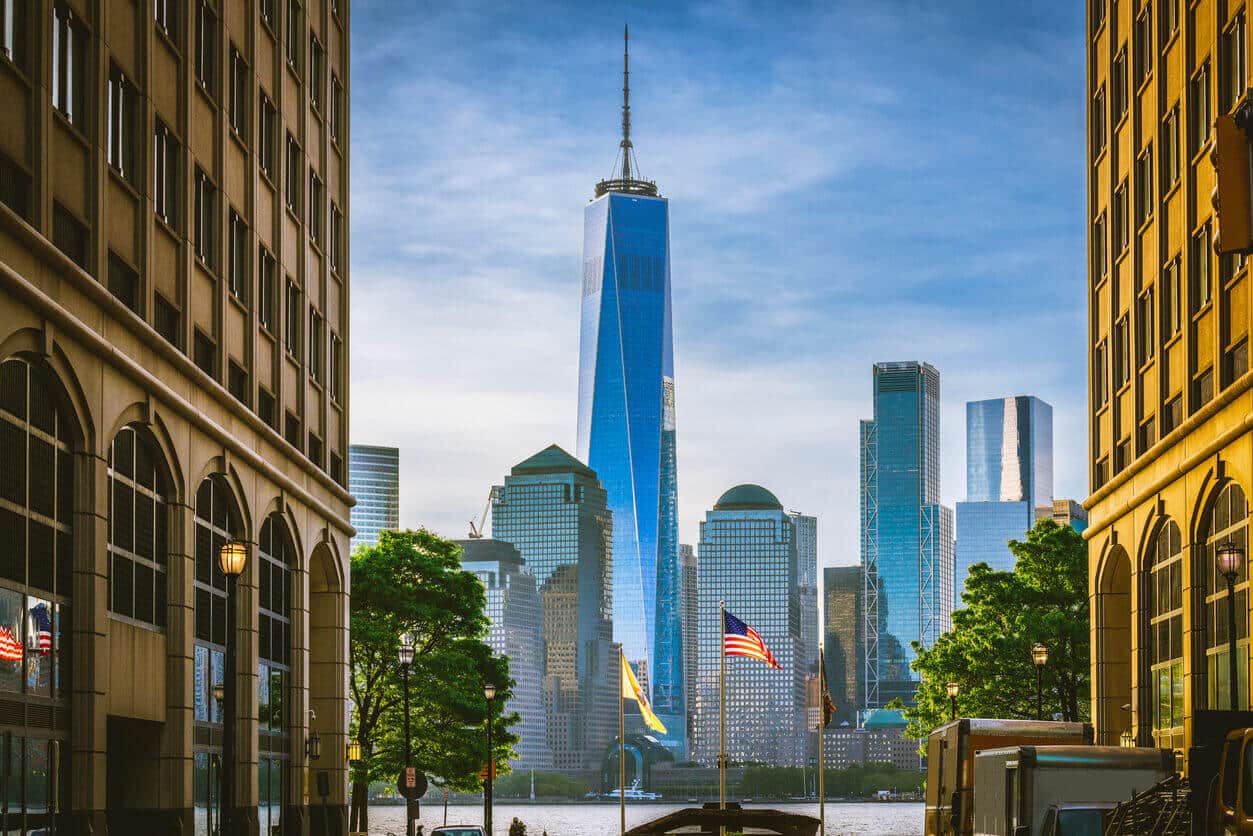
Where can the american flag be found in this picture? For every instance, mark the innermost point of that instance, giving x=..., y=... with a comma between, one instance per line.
x=41, y=629
x=738, y=639
x=10, y=647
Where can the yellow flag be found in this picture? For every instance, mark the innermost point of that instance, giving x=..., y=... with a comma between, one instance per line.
x=631, y=690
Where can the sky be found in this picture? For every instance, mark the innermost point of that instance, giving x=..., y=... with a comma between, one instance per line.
x=848, y=183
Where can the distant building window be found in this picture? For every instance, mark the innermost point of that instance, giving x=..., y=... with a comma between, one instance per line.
x=205, y=354
x=1199, y=105
x=315, y=449
x=1170, y=149
x=1143, y=37
x=124, y=283
x=267, y=12
x=69, y=53
x=206, y=218
x=122, y=101
x=294, y=313
x=239, y=93
x=316, y=348
x=1237, y=360
x=266, y=137
x=1172, y=414
x=337, y=367
x=267, y=288
x=1202, y=272
x=336, y=243
x=1100, y=374
x=237, y=382
x=164, y=13
x=206, y=45
x=316, y=201
x=294, y=172
x=336, y=469
x=137, y=541
x=167, y=320
x=238, y=268
x=265, y=407
x=1170, y=19
x=292, y=430
x=1118, y=86
x=1098, y=122
x=1165, y=635
x=1203, y=389
x=165, y=174
x=13, y=31
x=69, y=234
x=337, y=108
x=1227, y=520
x=1144, y=187
x=294, y=30
x=1100, y=261
x=1146, y=316
x=1172, y=300
x=1235, y=63
x=14, y=186
x=316, y=66
x=1098, y=14
x=1121, y=220
x=1122, y=353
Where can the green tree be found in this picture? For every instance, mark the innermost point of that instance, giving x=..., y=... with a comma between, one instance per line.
x=988, y=650
x=412, y=581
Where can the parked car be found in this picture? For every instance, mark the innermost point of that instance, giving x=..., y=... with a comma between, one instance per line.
x=458, y=830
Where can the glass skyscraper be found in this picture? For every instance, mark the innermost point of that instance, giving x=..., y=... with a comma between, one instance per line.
x=626, y=420
x=906, y=534
x=552, y=509
x=747, y=558
x=374, y=479
x=516, y=631
x=1009, y=474
x=807, y=586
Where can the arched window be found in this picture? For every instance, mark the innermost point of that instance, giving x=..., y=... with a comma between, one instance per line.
x=137, y=529
x=217, y=521
x=275, y=556
x=1228, y=519
x=1166, y=635
x=37, y=434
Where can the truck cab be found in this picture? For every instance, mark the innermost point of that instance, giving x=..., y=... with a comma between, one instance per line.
x=1076, y=820
x=1232, y=790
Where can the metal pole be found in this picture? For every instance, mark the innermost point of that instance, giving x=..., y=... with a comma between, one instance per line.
x=722, y=709
x=1039, y=693
x=410, y=828
x=1233, y=670
x=952, y=708
x=487, y=794
x=227, y=814
x=822, y=766
x=621, y=766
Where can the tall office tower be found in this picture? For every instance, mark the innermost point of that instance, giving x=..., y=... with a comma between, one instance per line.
x=552, y=509
x=691, y=584
x=1064, y=512
x=374, y=480
x=626, y=416
x=1009, y=473
x=906, y=535
x=807, y=587
x=747, y=557
x=517, y=632
x=843, y=590
x=155, y=405
x=1168, y=329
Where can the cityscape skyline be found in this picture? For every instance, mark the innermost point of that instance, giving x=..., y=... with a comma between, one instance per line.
x=747, y=259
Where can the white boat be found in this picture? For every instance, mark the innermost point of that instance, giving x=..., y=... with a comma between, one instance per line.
x=633, y=793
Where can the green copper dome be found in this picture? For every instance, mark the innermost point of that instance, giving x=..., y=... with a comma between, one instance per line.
x=748, y=498
x=885, y=718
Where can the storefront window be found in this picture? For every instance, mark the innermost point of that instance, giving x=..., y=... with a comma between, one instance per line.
x=1228, y=521
x=12, y=643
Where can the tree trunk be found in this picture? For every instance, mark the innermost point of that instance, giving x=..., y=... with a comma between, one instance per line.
x=360, y=803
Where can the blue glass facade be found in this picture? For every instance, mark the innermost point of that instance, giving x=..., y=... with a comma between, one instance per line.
x=1009, y=474
x=626, y=431
x=906, y=535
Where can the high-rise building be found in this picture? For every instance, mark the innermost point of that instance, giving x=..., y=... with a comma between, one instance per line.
x=374, y=479
x=1064, y=512
x=626, y=420
x=160, y=395
x=1167, y=339
x=807, y=587
x=747, y=558
x=1009, y=472
x=517, y=632
x=906, y=534
x=691, y=584
x=843, y=590
x=552, y=509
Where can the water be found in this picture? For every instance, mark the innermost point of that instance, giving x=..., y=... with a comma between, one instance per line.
x=879, y=819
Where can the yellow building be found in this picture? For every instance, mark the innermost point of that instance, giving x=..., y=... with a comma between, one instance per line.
x=173, y=316
x=1171, y=410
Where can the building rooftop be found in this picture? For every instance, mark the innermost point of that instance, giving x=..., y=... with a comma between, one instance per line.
x=748, y=498
x=552, y=459
x=884, y=718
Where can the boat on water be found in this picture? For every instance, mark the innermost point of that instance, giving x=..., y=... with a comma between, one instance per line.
x=633, y=793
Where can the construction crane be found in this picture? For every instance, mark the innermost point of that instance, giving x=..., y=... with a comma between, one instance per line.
x=477, y=529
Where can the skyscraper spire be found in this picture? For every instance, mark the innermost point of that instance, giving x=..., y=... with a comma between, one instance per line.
x=626, y=175
x=626, y=103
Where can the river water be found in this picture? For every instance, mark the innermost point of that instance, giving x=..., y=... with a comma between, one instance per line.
x=877, y=818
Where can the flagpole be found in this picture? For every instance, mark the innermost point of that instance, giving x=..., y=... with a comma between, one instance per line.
x=621, y=760
x=822, y=766
x=722, y=708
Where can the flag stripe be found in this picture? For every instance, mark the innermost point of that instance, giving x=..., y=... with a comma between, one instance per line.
x=738, y=639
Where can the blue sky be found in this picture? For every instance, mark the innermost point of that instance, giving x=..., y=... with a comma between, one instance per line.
x=847, y=185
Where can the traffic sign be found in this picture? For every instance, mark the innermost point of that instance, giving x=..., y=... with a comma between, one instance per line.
x=411, y=783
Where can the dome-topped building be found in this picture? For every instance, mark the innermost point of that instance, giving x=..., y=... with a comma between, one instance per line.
x=748, y=498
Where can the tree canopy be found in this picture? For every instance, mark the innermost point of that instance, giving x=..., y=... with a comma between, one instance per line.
x=988, y=650
x=412, y=581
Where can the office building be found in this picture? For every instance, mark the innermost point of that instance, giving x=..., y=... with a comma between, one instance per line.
x=552, y=509
x=843, y=590
x=374, y=480
x=687, y=559
x=807, y=587
x=173, y=325
x=1009, y=473
x=906, y=535
x=1064, y=512
x=747, y=558
x=879, y=739
x=626, y=418
x=1168, y=325
x=516, y=631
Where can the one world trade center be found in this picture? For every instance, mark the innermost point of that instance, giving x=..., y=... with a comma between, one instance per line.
x=626, y=418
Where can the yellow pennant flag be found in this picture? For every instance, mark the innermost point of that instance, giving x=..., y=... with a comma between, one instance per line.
x=631, y=690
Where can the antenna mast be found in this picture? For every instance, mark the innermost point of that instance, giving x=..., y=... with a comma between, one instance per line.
x=626, y=103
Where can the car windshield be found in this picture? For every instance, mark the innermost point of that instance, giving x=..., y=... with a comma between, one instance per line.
x=1079, y=823
x=457, y=831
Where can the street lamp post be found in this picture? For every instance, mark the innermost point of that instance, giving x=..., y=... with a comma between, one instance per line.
x=489, y=691
x=232, y=558
x=405, y=656
x=1040, y=657
x=1230, y=559
x=952, y=688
